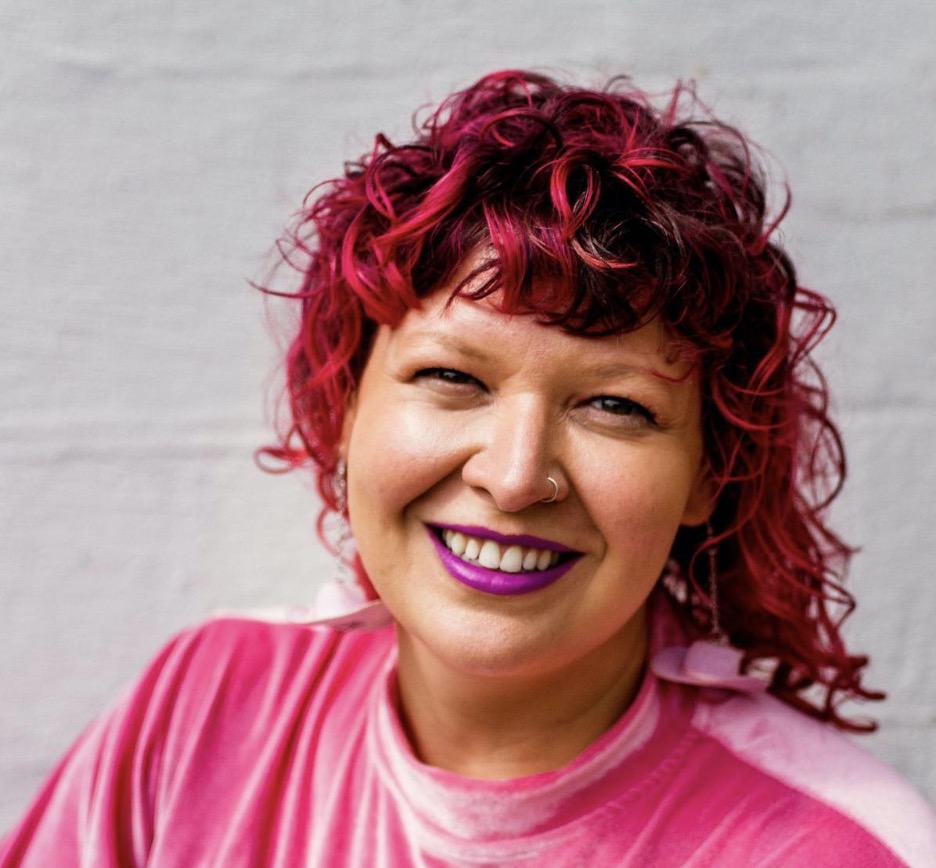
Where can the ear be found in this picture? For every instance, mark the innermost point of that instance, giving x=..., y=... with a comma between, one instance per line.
x=701, y=502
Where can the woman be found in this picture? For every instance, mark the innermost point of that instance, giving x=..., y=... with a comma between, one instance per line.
x=556, y=372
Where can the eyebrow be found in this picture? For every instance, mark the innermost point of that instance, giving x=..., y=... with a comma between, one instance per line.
x=615, y=370
x=448, y=341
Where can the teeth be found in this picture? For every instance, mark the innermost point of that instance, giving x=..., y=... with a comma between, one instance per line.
x=490, y=555
x=512, y=560
x=507, y=559
x=456, y=542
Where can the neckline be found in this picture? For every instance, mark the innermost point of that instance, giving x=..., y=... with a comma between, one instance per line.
x=457, y=818
x=452, y=815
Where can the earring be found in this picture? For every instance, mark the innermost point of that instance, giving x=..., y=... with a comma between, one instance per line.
x=342, y=603
x=344, y=540
x=711, y=662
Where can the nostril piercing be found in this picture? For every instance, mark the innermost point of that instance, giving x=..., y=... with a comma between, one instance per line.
x=555, y=493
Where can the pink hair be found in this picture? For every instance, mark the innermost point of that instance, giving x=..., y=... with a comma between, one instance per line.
x=604, y=212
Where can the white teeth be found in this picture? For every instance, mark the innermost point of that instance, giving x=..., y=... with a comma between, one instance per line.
x=490, y=555
x=487, y=553
x=456, y=542
x=512, y=561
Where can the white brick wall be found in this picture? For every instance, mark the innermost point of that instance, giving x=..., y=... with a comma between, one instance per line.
x=149, y=154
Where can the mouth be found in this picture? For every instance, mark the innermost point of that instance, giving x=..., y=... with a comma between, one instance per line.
x=497, y=564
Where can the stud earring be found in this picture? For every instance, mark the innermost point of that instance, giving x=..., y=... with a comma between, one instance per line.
x=711, y=662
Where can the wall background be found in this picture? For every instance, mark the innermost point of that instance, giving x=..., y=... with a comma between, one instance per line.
x=149, y=155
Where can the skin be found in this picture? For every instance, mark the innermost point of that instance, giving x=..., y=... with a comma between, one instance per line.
x=461, y=413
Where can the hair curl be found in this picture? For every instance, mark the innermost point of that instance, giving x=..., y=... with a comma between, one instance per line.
x=605, y=212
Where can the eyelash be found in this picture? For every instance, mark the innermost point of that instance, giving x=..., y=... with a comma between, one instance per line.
x=448, y=375
x=623, y=407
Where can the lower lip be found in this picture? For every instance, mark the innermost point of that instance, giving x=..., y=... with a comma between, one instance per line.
x=494, y=581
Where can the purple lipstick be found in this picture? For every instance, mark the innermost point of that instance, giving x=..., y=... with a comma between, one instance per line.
x=493, y=581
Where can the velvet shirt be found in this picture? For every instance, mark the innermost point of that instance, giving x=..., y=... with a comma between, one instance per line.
x=253, y=744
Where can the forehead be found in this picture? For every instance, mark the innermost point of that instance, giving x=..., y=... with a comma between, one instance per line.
x=480, y=328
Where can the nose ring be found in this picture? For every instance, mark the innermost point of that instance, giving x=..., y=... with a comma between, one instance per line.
x=555, y=493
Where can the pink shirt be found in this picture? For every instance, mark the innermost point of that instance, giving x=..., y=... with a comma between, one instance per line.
x=253, y=744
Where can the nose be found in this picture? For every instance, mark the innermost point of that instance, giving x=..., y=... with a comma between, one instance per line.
x=516, y=456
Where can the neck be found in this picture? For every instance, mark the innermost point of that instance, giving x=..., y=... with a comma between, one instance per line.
x=496, y=727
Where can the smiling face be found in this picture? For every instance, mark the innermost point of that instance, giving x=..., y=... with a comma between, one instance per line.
x=461, y=414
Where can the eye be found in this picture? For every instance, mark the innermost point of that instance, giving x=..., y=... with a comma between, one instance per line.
x=447, y=375
x=623, y=408
x=450, y=384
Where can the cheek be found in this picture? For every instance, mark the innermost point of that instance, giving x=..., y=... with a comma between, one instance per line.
x=641, y=505
x=395, y=456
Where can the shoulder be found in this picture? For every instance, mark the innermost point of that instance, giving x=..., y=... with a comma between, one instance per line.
x=246, y=641
x=244, y=661
x=193, y=728
x=823, y=767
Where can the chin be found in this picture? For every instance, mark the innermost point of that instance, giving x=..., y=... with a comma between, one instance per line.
x=501, y=644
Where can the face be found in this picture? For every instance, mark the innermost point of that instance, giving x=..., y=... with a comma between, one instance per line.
x=461, y=415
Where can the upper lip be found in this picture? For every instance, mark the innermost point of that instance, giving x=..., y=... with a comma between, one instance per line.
x=505, y=538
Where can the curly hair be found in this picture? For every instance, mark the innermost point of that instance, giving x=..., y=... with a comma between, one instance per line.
x=603, y=212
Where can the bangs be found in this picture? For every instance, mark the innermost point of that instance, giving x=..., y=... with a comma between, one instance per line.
x=548, y=281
